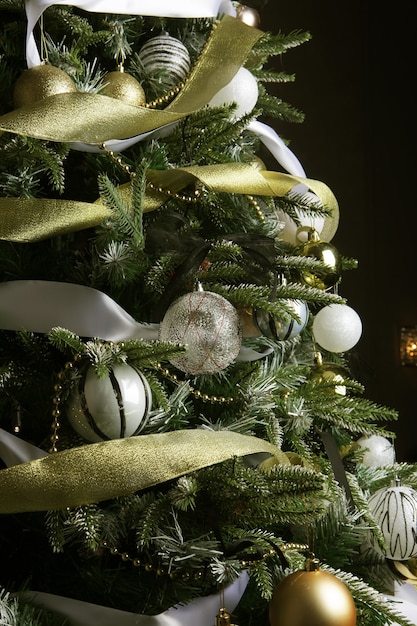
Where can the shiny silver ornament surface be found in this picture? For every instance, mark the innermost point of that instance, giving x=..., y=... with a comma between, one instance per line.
x=208, y=325
x=281, y=329
x=167, y=54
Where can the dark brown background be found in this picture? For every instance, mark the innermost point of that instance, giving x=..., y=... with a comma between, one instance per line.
x=354, y=82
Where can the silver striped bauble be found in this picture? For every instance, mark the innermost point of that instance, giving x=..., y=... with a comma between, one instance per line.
x=395, y=511
x=280, y=329
x=113, y=407
x=167, y=54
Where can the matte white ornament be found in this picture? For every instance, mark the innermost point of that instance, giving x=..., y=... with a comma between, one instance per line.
x=113, y=407
x=337, y=328
x=395, y=511
x=242, y=90
x=379, y=451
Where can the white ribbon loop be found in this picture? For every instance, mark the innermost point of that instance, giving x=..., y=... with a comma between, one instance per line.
x=163, y=8
x=39, y=306
x=199, y=612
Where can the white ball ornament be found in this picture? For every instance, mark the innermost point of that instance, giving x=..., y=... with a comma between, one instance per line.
x=113, y=407
x=242, y=90
x=337, y=328
x=208, y=325
x=395, y=511
x=378, y=451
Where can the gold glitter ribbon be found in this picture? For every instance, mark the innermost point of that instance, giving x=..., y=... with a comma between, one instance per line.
x=100, y=471
x=95, y=119
x=24, y=220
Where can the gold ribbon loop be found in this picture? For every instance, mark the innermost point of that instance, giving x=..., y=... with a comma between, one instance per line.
x=100, y=471
x=26, y=220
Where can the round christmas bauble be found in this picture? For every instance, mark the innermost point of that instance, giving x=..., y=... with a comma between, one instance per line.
x=113, y=407
x=298, y=233
x=395, y=512
x=167, y=55
x=280, y=329
x=209, y=326
x=312, y=598
x=242, y=90
x=124, y=87
x=337, y=328
x=248, y=15
x=326, y=253
x=331, y=373
x=39, y=82
x=378, y=451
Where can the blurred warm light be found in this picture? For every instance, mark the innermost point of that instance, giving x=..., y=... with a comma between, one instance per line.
x=408, y=345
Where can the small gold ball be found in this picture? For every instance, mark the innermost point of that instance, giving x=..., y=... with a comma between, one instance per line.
x=124, y=87
x=41, y=82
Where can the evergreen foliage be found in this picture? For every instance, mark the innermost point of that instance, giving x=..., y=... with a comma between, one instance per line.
x=190, y=535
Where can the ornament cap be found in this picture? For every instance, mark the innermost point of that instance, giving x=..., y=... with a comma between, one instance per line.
x=313, y=235
x=312, y=564
x=223, y=618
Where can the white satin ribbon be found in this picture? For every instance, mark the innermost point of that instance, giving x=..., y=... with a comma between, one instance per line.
x=14, y=450
x=199, y=612
x=38, y=306
x=277, y=148
x=405, y=601
x=163, y=8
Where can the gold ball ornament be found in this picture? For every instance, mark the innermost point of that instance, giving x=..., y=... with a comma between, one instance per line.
x=41, y=81
x=124, y=87
x=331, y=373
x=312, y=598
x=326, y=253
x=248, y=15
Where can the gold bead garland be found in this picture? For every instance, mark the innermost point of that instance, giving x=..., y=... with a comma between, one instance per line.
x=195, y=392
x=187, y=198
x=196, y=574
x=257, y=208
x=57, y=401
x=170, y=95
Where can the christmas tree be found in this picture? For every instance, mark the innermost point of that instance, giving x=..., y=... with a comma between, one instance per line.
x=182, y=437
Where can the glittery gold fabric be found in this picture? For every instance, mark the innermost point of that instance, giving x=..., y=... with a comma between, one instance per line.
x=100, y=471
x=34, y=219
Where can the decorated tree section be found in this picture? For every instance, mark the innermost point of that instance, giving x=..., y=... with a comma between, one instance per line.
x=182, y=440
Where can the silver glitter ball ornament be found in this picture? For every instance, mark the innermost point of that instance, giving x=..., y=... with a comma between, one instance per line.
x=208, y=325
x=168, y=55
